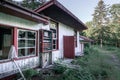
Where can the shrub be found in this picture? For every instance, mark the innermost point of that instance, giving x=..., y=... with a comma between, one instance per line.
x=59, y=68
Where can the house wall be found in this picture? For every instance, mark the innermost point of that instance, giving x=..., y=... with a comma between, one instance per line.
x=64, y=30
x=81, y=47
x=9, y=68
x=18, y=22
x=7, y=65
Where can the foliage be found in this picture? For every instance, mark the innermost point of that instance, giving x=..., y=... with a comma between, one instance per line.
x=31, y=4
x=58, y=68
x=89, y=31
x=100, y=20
x=29, y=73
x=98, y=64
x=100, y=16
x=105, y=26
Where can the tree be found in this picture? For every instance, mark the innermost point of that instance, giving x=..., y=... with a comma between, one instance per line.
x=32, y=4
x=100, y=21
x=89, y=31
x=115, y=24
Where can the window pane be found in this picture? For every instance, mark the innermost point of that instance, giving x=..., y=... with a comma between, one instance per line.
x=31, y=35
x=31, y=51
x=54, y=42
x=31, y=43
x=22, y=34
x=54, y=46
x=21, y=43
x=54, y=33
x=26, y=42
x=21, y=52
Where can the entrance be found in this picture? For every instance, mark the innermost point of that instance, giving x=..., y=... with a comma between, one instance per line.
x=68, y=47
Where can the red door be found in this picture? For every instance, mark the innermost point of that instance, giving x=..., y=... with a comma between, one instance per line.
x=68, y=47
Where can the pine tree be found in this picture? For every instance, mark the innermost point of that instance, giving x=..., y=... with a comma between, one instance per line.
x=115, y=24
x=100, y=21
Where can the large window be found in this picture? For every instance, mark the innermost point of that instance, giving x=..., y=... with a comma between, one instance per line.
x=54, y=29
x=26, y=43
x=5, y=42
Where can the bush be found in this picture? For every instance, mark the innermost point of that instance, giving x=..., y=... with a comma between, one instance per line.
x=59, y=68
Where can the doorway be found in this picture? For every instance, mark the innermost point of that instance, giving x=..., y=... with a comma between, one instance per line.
x=68, y=47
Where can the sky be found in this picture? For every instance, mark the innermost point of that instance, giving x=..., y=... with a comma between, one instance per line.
x=83, y=9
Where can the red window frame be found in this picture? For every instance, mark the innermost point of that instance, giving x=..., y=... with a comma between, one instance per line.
x=36, y=43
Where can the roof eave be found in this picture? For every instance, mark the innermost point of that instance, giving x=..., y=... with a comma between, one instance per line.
x=54, y=2
x=23, y=11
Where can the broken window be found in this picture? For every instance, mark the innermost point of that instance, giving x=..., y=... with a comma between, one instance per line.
x=26, y=43
x=5, y=42
x=54, y=28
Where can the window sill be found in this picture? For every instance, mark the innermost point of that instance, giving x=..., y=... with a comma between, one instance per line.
x=26, y=57
x=55, y=49
x=19, y=58
x=4, y=61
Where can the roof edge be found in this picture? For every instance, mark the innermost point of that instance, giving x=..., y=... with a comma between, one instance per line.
x=41, y=17
x=58, y=4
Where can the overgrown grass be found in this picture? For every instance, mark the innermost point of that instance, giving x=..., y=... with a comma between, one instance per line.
x=97, y=64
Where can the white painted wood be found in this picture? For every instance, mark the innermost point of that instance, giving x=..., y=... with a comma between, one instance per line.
x=32, y=62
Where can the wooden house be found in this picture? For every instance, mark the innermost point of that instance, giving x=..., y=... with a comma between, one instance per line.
x=40, y=37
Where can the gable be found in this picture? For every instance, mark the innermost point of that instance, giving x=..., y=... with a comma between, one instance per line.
x=58, y=12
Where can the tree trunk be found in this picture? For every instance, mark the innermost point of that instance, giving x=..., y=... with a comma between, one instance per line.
x=101, y=43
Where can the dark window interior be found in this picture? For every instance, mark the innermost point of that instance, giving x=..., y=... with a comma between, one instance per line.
x=5, y=42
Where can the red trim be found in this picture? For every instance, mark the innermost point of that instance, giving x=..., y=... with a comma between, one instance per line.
x=15, y=39
x=5, y=61
x=25, y=57
x=41, y=43
x=15, y=43
x=20, y=58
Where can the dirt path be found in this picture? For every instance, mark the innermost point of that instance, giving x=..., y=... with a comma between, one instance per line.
x=114, y=60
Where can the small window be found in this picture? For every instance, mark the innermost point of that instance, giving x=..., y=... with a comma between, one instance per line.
x=54, y=29
x=26, y=43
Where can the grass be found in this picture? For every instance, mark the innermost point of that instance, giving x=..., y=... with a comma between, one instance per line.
x=97, y=64
x=101, y=62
